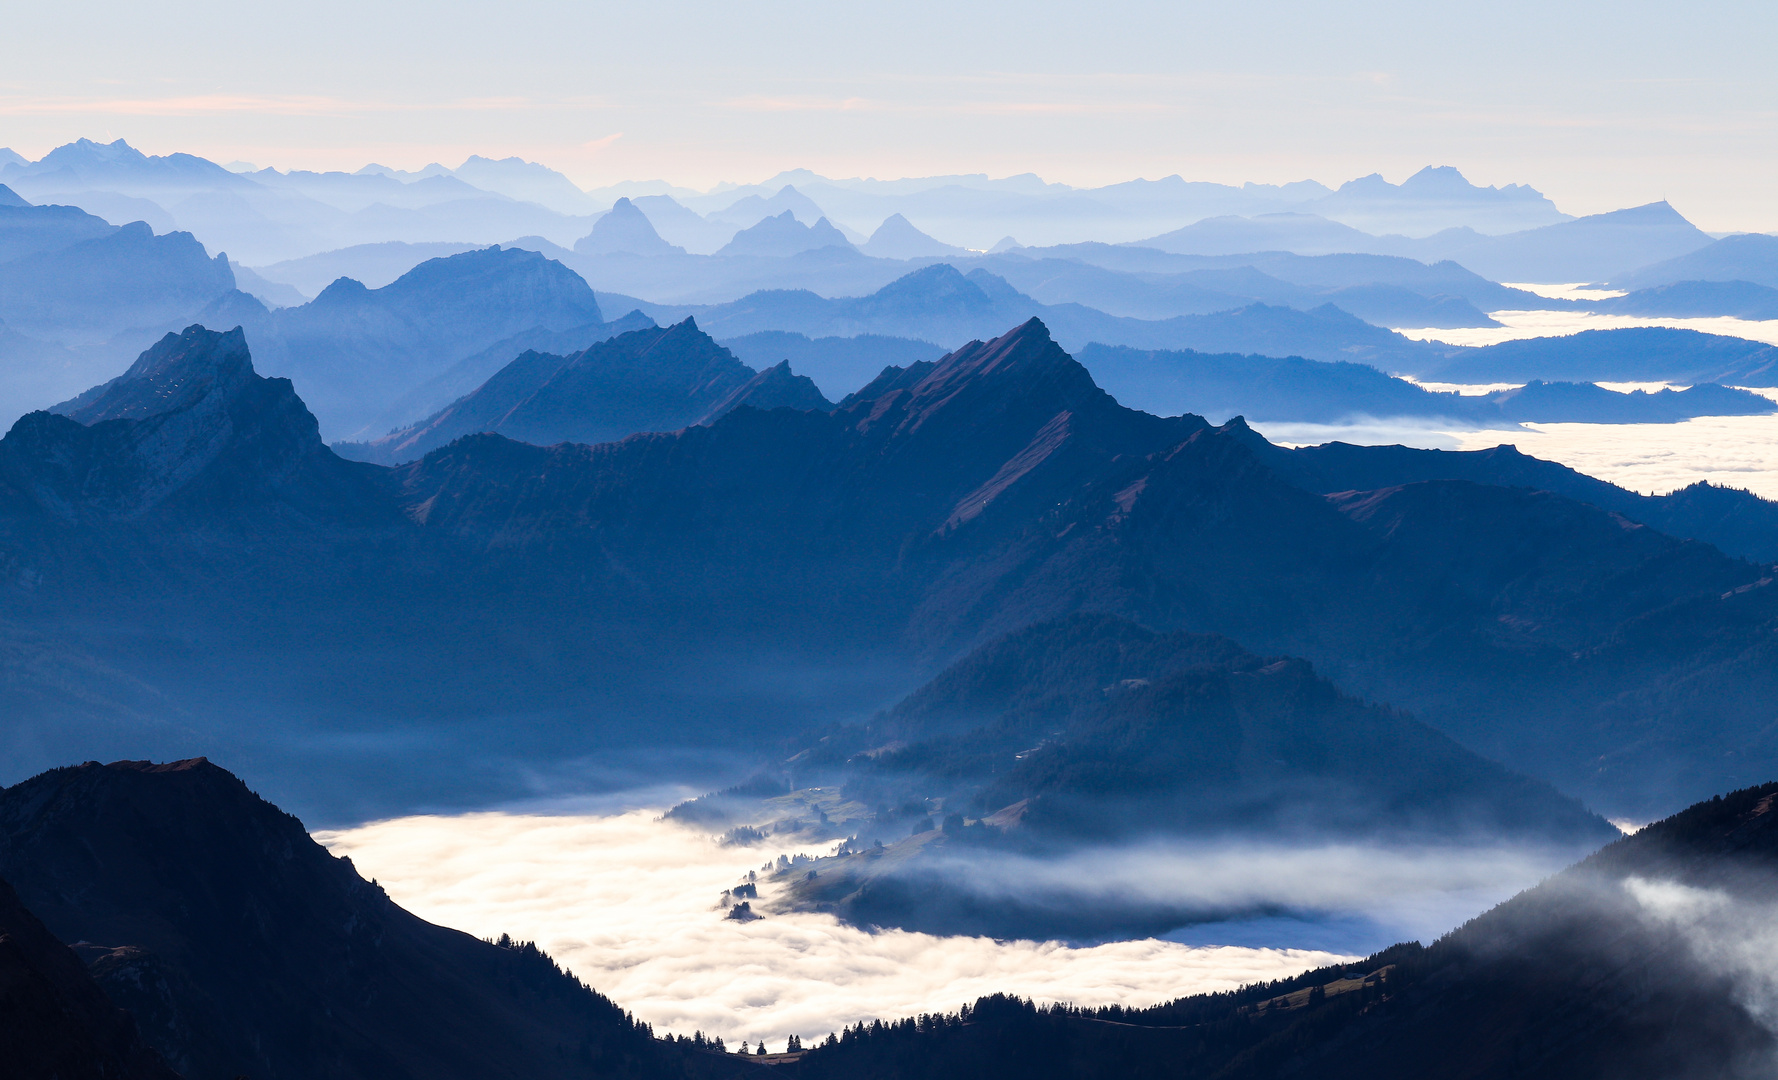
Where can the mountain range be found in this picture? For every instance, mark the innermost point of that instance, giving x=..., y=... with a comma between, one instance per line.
x=645, y=380
x=942, y=506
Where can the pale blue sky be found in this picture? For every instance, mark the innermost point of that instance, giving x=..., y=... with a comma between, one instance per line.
x=1598, y=104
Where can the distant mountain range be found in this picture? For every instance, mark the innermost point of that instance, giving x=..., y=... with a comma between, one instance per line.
x=1590, y=249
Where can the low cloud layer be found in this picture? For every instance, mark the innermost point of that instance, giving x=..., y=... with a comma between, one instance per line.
x=1731, y=451
x=1516, y=325
x=630, y=904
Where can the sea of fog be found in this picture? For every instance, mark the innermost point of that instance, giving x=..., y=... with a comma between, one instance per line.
x=632, y=905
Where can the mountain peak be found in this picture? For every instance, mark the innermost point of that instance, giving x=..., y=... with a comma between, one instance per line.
x=624, y=229
x=190, y=426
x=897, y=238
x=176, y=373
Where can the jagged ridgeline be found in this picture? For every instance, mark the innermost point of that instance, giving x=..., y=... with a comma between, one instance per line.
x=181, y=547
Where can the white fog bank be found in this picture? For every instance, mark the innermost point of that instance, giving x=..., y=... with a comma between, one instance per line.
x=630, y=904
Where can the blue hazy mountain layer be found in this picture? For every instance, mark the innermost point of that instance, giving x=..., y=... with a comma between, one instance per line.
x=1219, y=386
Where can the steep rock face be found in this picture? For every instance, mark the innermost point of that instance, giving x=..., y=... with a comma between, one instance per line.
x=261, y=954
x=54, y=1020
x=188, y=428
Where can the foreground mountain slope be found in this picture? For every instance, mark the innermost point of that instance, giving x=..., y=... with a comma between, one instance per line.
x=245, y=948
x=54, y=1020
x=1644, y=962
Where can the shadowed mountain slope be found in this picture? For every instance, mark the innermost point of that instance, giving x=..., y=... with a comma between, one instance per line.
x=55, y=1021
x=244, y=948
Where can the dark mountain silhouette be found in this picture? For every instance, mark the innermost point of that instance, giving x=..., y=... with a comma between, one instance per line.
x=784, y=235
x=838, y=365
x=354, y=352
x=54, y=1019
x=1745, y=257
x=1092, y=728
x=624, y=229
x=244, y=948
x=658, y=379
x=1631, y=354
x=9, y=197
x=1294, y=389
x=1600, y=972
x=897, y=238
x=190, y=429
x=1698, y=299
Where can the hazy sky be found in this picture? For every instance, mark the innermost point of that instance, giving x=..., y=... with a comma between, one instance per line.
x=1598, y=104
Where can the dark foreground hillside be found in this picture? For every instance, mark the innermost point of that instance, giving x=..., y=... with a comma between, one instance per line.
x=1648, y=961
x=244, y=949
